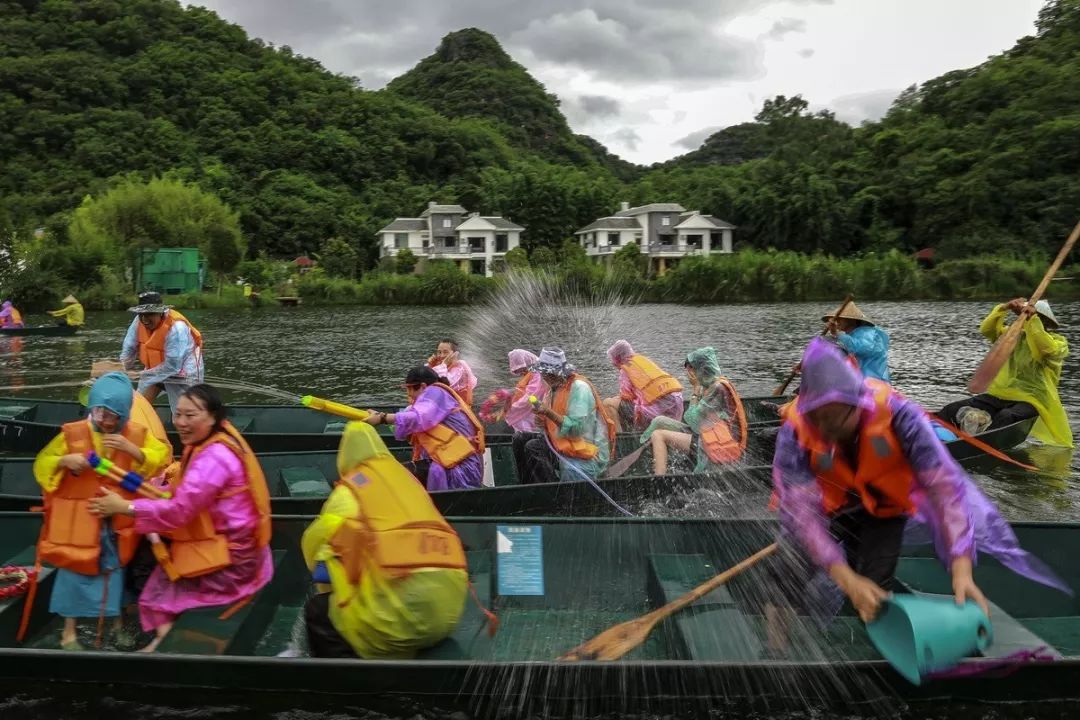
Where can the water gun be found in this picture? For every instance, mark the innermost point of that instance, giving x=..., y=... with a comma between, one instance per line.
x=333, y=408
x=130, y=480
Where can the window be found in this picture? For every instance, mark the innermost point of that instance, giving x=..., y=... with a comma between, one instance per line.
x=502, y=243
x=447, y=222
x=450, y=242
x=426, y=244
x=613, y=239
x=666, y=221
x=476, y=244
x=401, y=240
x=693, y=241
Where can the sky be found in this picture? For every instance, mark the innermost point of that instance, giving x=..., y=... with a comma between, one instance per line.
x=651, y=79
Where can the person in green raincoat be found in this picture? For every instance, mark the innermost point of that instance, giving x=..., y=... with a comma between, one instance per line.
x=713, y=431
x=1027, y=385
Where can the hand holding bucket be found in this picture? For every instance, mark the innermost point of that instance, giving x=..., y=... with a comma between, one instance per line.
x=922, y=634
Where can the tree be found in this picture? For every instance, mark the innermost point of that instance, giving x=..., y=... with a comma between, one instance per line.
x=517, y=258
x=543, y=257
x=222, y=251
x=629, y=260
x=406, y=261
x=338, y=259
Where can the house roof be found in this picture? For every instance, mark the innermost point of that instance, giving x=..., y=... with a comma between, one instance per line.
x=652, y=207
x=698, y=220
x=502, y=223
x=444, y=209
x=406, y=225
x=612, y=223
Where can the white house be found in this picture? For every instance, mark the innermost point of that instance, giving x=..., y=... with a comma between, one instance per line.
x=449, y=232
x=664, y=232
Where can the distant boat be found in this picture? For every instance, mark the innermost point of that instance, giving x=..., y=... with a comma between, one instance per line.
x=46, y=330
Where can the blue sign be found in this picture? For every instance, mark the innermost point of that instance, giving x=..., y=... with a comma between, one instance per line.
x=520, y=553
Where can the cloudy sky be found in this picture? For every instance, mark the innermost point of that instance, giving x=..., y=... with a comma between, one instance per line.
x=652, y=78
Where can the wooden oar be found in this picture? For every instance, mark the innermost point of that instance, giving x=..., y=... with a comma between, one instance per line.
x=1003, y=348
x=787, y=381
x=624, y=463
x=615, y=642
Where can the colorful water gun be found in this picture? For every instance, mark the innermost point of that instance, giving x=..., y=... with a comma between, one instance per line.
x=494, y=408
x=334, y=408
x=130, y=480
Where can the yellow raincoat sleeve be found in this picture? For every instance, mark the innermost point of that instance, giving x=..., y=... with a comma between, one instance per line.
x=994, y=325
x=315, y=544
x=47, y=469
x=156, y=455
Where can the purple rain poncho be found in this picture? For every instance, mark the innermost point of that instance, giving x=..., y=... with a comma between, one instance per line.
x=950, y=510
x=435, y=405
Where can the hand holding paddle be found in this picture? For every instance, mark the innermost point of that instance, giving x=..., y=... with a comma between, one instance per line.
x=829, y=326
x=615, y=642
x=1003, y=348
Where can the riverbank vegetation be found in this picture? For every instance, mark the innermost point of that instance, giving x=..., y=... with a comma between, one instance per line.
x=146, y=123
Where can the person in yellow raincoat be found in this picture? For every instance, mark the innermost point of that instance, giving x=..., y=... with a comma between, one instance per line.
x=396, y=570
x=71, y=314
x=1027, y=384
x=90, y=581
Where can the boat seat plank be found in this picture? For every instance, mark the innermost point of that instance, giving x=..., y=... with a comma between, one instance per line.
x=470, y=639
x=203, y=632
x=714, y=627
x=241, y=422
x=304, y=482
x=334, y=427
x=16, y=412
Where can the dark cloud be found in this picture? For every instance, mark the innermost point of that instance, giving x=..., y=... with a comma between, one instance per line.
x=807, y=52
x=585, y=109
x=694, y=140
x=785, y=26
x=858, y=107
x=599, y=105
x=628, y=137
x=625, y=40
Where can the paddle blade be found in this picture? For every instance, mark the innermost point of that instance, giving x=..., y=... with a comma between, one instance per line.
x=996, y=358
x=614, y=642
x=624, y=463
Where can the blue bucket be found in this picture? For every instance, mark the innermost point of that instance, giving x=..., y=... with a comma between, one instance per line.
x=921, y=634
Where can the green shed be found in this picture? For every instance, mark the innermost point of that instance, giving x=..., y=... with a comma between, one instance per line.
x=172, y=270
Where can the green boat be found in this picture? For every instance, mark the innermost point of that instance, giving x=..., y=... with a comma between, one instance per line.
x=28, y=424
x=299, y=482
x=40, y=331
x=595, y=573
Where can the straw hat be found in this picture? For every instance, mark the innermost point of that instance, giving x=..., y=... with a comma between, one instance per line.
x=1049, y=319
x=850, y=312
x=552, y=361
x=69, y=300
x=149, y=303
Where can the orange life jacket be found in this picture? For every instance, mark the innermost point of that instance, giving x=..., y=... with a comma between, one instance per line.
x=71, y=536
x=724, y=441
x=649, y=380
x=197, y=548
x=444, y=445
x=884, y=478
x=152, y=345
x=15, y=319
x=397, y=527
x=577, y=447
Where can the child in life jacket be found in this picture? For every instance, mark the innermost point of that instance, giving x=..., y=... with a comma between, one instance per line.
x=90, y=552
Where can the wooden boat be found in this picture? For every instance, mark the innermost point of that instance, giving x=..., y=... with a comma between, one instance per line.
x=300, y=481
x=41, y=331
x=595, y=573
x=27, y=424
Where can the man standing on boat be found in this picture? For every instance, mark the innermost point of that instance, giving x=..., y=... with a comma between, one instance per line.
x=578, y=433
x=862, y=339
x=645, y=390
x=1027, y=384
x=72, y=314
x=855, y=464
x=168, y=346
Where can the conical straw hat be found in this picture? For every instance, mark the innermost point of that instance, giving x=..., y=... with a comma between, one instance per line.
x=850, y=312
x=69, y=299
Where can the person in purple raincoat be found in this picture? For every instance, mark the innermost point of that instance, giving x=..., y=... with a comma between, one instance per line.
x=858, y=470
x=448, y=440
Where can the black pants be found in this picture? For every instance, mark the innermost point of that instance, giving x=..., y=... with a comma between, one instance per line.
x=1002, y=412
x=517, y=446
x=419, y=469
x=871, y=546
x=324, y=641
x=540, y=463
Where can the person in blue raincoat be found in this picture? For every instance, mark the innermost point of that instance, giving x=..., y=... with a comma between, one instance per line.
x=862, y=339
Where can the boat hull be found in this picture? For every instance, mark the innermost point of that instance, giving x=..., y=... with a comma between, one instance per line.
x=40, y=331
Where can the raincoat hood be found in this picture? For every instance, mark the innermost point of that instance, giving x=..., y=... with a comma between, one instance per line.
x=112, y=391
x=6, y=305
x=619, y=353
x=521, y=360
x=828, y=377
x=706, y=365
x=359, y=443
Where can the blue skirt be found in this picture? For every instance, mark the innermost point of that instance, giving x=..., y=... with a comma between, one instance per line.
x=81, y=596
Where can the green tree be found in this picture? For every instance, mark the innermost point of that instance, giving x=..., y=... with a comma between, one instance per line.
x=517, y=258
x=338, y=259
x=406, y=261
x=629, y=261
x=543, y=257
x=222, y=251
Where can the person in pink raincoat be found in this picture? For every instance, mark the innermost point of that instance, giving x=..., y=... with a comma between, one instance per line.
x=520, y=415
x=219, y=475
x=645, y=391
x=447, y=363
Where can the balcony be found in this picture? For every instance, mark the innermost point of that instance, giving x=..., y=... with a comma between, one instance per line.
x=674, y=249
x=460, y=251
